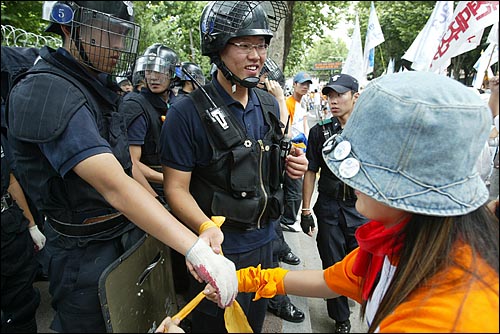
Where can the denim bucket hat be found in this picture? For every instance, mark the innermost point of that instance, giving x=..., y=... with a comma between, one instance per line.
x=412, y=142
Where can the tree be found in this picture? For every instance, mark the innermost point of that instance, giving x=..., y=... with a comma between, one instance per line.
x=326, y=49
x=306, y=19
x=401, y=21
x=26, y=15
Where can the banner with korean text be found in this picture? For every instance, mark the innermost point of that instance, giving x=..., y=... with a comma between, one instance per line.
x=469, y=20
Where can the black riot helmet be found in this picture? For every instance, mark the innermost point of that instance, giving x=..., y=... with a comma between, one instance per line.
x=273, y=72
x=222, y=20
x=194, y=70
x=105, y=28
x=156, y=58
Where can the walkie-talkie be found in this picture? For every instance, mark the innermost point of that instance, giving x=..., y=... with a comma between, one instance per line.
x=225, y=131
x=285, y=146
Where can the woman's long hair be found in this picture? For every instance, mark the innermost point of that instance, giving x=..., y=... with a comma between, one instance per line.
x=428, y=245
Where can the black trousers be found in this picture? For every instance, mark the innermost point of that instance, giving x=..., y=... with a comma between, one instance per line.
x=334, y=242
x=280, y=247
x=75, y=267
x=293, y=199
x=19, y=299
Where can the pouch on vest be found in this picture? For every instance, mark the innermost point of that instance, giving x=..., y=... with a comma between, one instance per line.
x=219, y=123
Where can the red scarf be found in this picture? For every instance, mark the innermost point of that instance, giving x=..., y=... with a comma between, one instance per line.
x=375, y=242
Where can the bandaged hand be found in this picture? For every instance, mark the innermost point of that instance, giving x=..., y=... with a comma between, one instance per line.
x=38, y=237
x=266, y=283
x=216, y=270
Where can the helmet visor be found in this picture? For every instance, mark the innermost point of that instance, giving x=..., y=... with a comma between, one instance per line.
x=109, y=43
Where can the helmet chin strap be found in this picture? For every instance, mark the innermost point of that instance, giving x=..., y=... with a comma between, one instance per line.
x=249, y=82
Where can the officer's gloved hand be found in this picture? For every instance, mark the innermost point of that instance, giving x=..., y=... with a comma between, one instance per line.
x=38, y=237
x=307, y=223
x=216, y=270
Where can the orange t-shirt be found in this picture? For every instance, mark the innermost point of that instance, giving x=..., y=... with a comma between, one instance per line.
x=290, y=105
x=442, y=306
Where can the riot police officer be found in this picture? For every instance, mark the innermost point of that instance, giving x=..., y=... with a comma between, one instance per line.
x=72, y=159
x=145, y=112
x=187, y=84
x=220, y=149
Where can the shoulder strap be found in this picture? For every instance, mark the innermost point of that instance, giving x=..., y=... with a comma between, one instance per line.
x=268, y=107
x=223, y=129
x=131, y=114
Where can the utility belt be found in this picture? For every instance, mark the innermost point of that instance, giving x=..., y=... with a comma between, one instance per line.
x=339, y=191
x=235, y=226
x=156, y=168
x=7, y=202
x=90, y=226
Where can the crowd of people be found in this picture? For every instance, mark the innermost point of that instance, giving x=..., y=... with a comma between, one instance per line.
x=122, y=145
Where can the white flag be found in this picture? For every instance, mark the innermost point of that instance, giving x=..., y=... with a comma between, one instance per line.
x=470, y=44
x=374, y=37
x=493, y=36
x=469, y=19
x=353, y=64
x=488, y=58
x=422, y=50
x=390, y=66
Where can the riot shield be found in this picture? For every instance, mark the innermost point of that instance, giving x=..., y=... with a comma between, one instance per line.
x=137, y=290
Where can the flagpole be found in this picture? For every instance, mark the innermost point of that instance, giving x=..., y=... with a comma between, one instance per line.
x=382, y=56
x=488, y=66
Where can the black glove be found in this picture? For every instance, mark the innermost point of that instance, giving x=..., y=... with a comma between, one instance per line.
x=307, y=223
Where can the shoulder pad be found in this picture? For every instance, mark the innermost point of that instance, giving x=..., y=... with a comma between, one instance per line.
x=132, y=105
x=41, y=105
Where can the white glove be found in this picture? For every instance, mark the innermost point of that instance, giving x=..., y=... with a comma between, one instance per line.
x=216, y=270
x=37, y=236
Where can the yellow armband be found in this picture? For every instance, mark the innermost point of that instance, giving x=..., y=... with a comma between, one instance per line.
x=216, y=221
x=265, y=283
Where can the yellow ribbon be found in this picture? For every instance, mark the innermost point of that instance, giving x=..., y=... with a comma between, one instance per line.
x=234, y=316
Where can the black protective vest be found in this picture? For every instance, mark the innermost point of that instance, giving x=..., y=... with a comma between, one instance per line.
x=48, y=95
x=135, y=104
x=328, y=183
x=243, y=182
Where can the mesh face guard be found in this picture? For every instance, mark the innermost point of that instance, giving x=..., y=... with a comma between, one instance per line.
x=231, y=16
x=105, y=43
x=223, y=20
x=273, y=72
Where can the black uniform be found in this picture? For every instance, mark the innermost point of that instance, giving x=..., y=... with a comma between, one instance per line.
x=75, y=118
x=19, y=267
x=335, y=211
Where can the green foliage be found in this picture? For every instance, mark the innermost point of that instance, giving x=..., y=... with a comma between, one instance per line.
x=310, y=18
x=327, y=49
x=401, y=21
x=26, y=15
x=174, y=24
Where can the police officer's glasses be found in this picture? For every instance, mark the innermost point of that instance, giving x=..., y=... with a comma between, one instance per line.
x=245, y=47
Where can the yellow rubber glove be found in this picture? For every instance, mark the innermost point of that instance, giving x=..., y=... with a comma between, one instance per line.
x=234, y=317
x=266, y=283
